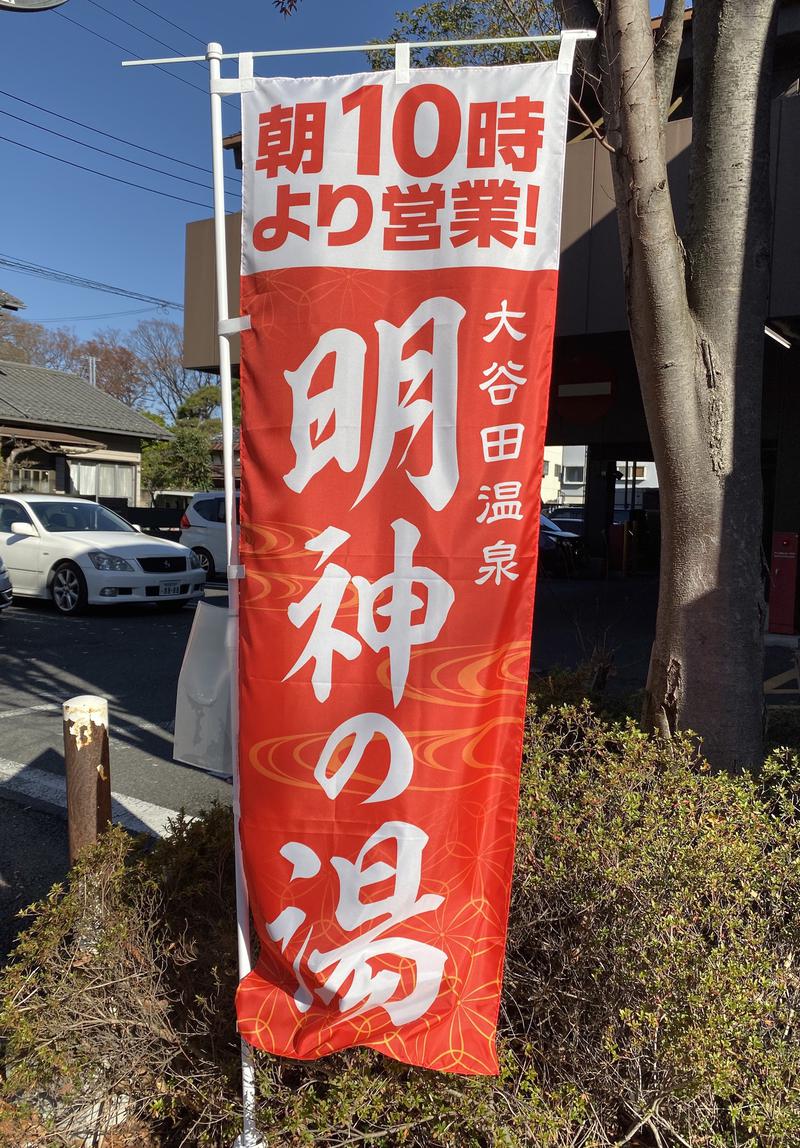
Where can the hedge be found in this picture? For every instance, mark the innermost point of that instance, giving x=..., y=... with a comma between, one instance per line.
x=651, y=991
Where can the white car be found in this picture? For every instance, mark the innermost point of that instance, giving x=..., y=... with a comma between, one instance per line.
x=203, y=530
x=77, y=553
x=6, y=590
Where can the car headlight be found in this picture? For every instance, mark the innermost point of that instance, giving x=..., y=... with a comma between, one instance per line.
x=102, y=561
x=194, y=561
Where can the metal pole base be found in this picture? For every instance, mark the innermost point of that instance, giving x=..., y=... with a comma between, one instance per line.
x=241, y=1142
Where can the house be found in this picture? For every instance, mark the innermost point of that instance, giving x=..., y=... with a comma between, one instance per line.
x=551, y=474
x=217, y=465
x=10, y=302
x=59, y=433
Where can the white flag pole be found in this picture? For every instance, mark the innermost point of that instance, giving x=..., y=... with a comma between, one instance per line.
x=225, y=327
x=551, y=38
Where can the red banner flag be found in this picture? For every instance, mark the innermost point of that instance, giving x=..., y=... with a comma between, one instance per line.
x=400, y=252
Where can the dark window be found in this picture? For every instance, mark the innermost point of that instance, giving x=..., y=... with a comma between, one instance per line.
x=64, y=515
x=212, y=509
x=573, y=474
x=11, y=512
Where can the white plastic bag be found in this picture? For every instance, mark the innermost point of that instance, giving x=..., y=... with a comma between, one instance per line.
x=202, y=707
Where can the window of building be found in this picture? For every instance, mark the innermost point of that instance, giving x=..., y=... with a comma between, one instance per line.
x=629, y=471
x=32, y=480
x=103, y=479
x=573, y=474
x=557, y=470
x=545, y=469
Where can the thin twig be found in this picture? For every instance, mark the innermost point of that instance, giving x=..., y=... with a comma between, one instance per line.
x=587, y=119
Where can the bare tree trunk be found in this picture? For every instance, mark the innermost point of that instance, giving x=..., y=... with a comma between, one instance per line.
x=7, y=463
x=697, y=317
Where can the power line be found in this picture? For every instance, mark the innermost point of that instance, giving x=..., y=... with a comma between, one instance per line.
x=104, y=315
x=105, y=175
x=122, y=48
x=24, y=267
x=113, y=155
x=136, y=28
x=178, y=28
x=117, y=139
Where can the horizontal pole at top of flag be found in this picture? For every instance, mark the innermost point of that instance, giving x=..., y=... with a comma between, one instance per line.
x=578, y=34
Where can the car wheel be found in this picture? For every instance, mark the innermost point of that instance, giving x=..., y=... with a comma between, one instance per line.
x=68, y=589
x=206, y=562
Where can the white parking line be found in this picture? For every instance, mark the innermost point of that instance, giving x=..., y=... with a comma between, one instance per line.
x=124, y=719
x=23, y=782
x=23, y=710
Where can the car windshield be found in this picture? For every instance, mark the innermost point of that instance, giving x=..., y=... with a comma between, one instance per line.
x=73, y=516
x=548, y=524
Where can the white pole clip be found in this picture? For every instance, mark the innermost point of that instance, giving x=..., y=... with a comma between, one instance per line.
x=402, y=64
x=566, y=53
x=234, y=326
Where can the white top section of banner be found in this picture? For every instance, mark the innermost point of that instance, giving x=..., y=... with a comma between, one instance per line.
x=458, y=167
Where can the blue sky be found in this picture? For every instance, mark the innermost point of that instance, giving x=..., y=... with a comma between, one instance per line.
x=71, y=220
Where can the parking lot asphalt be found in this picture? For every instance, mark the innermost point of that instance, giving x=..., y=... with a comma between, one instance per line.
x=130, y=656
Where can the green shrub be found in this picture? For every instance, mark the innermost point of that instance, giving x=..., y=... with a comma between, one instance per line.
x=650, y=990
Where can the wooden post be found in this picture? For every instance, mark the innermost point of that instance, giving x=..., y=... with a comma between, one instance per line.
x=87, y=769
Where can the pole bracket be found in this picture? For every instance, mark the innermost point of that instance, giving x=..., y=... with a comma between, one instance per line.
x=234, y=326
x=402, y=63
x=233, y=86
x=566, y=51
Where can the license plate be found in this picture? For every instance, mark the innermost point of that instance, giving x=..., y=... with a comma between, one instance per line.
x=169, y=589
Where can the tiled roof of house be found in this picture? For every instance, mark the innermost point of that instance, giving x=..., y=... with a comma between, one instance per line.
x=42, y=397
x=216, y=440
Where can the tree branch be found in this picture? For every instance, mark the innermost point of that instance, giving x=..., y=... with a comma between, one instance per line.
x=667, y=49
x=588, y=17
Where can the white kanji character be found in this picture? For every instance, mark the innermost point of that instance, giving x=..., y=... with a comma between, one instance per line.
x=397, y=410
x=502, y=316
x=305, y=863
x=326, y=595
x=362, y=729
x=324, y=598
x=499, y=563
x=340, y=402
x=502, y=393
x=401, y=634
x=502, y=442
x=368, y=988
x=502, y=501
